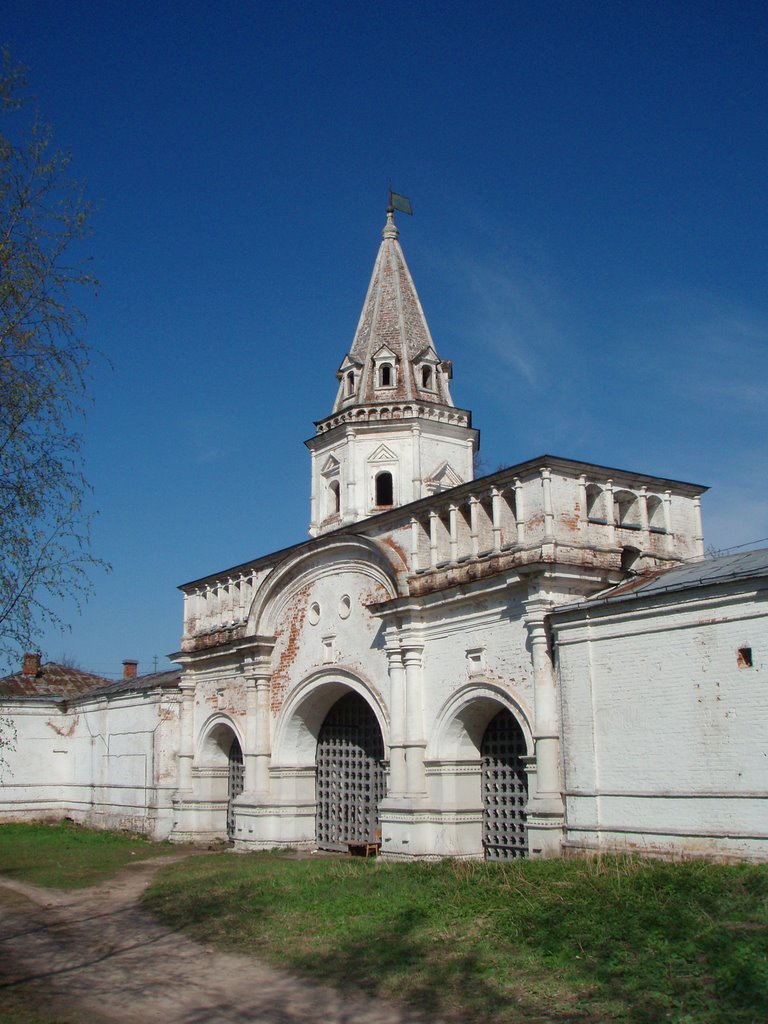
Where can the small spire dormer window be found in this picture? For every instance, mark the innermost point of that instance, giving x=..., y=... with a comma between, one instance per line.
x=427, y=378
x=385, y=368
x=350, y=383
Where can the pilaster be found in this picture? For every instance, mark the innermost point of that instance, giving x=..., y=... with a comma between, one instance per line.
x=417, y=484
x=257, y=751
x=549, y=517
x=545, y=811
x=186, y=737
x=397, y=711
x=351, y=512
x=415, y=742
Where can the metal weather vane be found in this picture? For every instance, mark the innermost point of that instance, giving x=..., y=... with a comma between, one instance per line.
x=398, y=202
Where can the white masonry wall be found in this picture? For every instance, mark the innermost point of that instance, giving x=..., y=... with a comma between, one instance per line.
x=664, y=724
x=107, y=764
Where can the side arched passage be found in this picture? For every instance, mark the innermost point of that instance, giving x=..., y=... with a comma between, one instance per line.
x=504, y=788
x=350, y=775
x=236, y=779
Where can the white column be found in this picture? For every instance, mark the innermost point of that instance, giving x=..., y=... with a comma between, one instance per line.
x=351, y=513
x=262, y=748
x=583, y=499
x=414, y=719
x=496, y=516
x=548, y=800
x=417, y=482
x=519, y=510
x=433, y=517
x=668, y=520
x=398, y=783
x=698, y=536
x=186, y=736
x=415, y=545
x=610, y=516
x=453, y=527
x=257, y=734
x=474, y=532
x=549, y=517
x=251, y=716
x=470, y=458
x=643, y=502
x=313, y=514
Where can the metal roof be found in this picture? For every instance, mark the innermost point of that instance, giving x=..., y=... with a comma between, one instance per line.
x=703, y=573
x=60, y=682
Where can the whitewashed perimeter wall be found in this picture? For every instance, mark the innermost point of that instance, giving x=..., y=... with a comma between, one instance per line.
x=108, y=764
x=664, y=729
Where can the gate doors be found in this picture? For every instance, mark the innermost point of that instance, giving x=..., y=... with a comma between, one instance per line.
x=350, y=775
x=505, y=789
x=235, y=786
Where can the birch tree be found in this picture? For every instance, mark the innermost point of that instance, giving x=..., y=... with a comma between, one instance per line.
x=45, y=552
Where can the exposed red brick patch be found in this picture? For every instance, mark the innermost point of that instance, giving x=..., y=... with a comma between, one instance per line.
x=571, y=522
x=60, y=730
x=291, y=627
x=394, y=546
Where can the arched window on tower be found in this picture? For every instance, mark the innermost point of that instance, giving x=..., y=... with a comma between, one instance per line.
x=385, y=376
x=384, y=489
x=334, y=498
x=350, y=383
x=426, y=378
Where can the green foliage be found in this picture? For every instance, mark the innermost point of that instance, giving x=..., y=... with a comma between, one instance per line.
x=601, y=940
x=7, y=742
x=65, y=856
x=44, y=361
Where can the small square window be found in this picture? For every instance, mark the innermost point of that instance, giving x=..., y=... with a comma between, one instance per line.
x=476, y=660
x=329, y=649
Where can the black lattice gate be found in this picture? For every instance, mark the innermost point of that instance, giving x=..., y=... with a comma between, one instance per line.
x=505, y=789
x=350, y=775
x=235, y=784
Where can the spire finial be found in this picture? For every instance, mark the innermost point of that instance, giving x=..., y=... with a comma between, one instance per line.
x=390, y=228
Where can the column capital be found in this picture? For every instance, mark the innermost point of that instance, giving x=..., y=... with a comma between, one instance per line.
x=393, y=652
x=536, y=610
x=411, y=652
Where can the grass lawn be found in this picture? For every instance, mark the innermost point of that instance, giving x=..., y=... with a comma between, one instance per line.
x=578, y=940
x=65, y=856
x=611, y=939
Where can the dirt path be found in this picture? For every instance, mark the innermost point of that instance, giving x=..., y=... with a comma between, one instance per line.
x=105, y=960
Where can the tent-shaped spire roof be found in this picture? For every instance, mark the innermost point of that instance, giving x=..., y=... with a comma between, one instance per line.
x=392, y=357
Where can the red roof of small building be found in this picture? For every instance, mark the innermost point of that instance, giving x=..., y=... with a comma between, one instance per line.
x=51, y=680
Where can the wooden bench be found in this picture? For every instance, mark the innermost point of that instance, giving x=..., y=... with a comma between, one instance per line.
x=365, y=849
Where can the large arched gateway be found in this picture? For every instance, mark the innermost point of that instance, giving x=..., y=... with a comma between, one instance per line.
x=505, y=789
x=350, y=775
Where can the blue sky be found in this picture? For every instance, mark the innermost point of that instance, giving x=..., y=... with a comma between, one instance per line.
x=590, y=245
